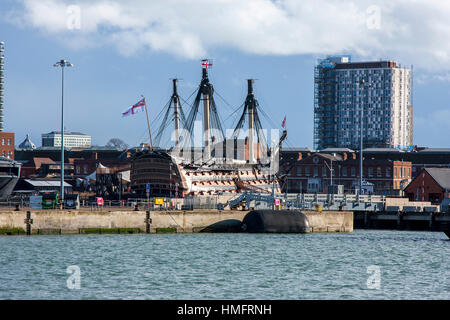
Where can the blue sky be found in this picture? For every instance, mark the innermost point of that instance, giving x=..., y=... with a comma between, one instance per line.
x=121, y=52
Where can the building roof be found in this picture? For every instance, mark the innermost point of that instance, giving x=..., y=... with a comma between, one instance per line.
x=296, y=149
x=337, y=150
x=8, y=161
x=366, y=65
x=327, y=156
x=37, y=162
x=435, y=150
x=382, y=150
x=441, y=175
x=75, y=133
x=27, y=143
x=46, y=183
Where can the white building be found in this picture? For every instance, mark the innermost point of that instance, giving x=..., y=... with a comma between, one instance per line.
x=71, y=139
x=385, y=97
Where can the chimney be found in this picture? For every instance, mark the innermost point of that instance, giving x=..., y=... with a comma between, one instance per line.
x=299, y=156
x=354, y=156
x=344, y=156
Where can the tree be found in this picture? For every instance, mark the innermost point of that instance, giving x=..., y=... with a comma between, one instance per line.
x=117, y=143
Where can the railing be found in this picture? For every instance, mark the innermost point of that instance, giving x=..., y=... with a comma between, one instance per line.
x=300, y=201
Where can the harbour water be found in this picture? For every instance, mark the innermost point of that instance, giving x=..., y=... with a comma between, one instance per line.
x=359, y=265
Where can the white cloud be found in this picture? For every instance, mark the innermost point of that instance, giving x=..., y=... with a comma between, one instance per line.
x=409, y=31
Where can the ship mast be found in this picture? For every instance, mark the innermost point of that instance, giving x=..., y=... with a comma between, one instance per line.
x=251, y=120
x=177, y=116
x=176, y=111
x=255, y=131
x=206, y=93
x=212, y=127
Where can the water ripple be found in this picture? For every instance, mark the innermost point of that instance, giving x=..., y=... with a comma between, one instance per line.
x=413, y=265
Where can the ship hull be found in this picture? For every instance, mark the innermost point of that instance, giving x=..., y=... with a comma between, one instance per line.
x=168, y=176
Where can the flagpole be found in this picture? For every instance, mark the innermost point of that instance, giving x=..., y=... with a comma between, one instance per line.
x=148, y=124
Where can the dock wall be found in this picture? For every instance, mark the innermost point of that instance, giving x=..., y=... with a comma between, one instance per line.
x=74, y=222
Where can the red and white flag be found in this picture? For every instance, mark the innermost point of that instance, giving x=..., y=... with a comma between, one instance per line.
x=138, y=107
x=283, y=124
x=206, y=63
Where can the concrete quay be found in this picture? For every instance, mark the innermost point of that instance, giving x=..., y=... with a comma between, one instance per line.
x=418, y=221
x=120, y=221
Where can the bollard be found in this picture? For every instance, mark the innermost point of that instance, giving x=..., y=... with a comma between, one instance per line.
x=28, y=221
x=148, y=221
x=17, y=207
x=136, y=207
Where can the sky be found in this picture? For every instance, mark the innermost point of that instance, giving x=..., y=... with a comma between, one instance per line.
x=124, y=49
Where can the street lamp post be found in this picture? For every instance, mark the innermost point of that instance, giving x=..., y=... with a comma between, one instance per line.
x=331, y=171
x=62, y=64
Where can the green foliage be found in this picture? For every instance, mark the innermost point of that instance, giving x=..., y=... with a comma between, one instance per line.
x=166, y=230
x=11, y=231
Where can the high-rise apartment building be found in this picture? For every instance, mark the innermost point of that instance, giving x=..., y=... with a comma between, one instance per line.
x=2, y=83
x=6, y=138
x=381, y=88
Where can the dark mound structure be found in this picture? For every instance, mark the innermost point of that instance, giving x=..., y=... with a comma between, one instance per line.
x=225, y=226
x=275, y=221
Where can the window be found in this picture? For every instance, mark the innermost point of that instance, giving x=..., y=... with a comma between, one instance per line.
x=353, y=171
x=3, y=142
x=344, y=171
x=324, y=172
x=378, y=172
x=370, y=172
x=299, y=171
x=9, y=142
x=316, y=171
x=388, y=172
x=409, y=173
x=395, y=172
x=307, y=171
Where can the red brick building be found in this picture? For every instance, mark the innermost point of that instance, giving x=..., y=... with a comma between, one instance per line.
x=313, y=174
x=431, y=184
x=7, y=144
x=31, y=168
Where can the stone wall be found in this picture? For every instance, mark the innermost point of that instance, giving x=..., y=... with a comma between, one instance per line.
x=183, y=221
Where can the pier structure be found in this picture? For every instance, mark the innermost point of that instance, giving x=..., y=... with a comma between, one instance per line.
x=419, y=221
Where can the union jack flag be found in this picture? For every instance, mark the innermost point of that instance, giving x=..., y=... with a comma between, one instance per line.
x=139, y=106
x=283, y=124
